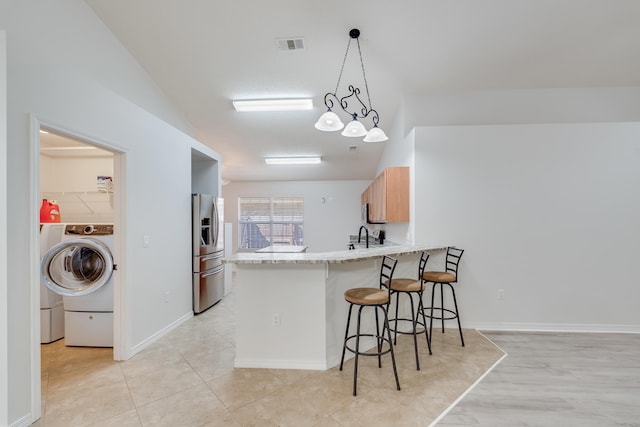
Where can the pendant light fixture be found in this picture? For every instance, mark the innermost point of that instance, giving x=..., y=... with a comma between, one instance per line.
x=352, y=105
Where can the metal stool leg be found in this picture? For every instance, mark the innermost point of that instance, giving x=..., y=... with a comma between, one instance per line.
x=415, y=328
x=346, y=335
x=442, y=306
x=355, y=368
x=378, y=340
x=455, y=304
x=433, y=293
x=395, y=331
x=424, y=321
x=393, y=357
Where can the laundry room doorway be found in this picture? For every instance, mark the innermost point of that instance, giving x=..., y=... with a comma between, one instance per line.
x=77, y=187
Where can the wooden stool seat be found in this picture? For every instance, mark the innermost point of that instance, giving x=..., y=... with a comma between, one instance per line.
x=439, y=276
x=367, y=296
x=406, y=285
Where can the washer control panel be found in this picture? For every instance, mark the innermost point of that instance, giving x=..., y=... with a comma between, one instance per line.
x=89, y=229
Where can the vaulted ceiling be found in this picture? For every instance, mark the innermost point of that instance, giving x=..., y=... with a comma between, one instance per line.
x=205, y=53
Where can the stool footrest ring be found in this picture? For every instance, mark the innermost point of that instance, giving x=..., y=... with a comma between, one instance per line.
x=427, y=311
x=368, y=352
x=400, y=319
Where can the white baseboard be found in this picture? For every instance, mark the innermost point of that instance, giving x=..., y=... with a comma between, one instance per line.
x=24, y=421
x=319, y=365
x=553, y=327
x=162, y=332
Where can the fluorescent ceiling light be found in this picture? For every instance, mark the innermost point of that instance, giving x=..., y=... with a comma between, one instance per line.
x=67, y=148
x=274, y=104
x=293, y=160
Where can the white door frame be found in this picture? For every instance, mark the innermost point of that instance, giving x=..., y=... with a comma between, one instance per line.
x=4, y=327
x=119, y=298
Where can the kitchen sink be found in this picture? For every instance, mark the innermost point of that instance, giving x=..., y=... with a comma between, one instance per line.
x=356, y=245
x=374, y=241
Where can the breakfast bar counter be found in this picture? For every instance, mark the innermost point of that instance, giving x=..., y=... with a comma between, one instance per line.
x=333, y=257
x=290, y=308
x=282, y=249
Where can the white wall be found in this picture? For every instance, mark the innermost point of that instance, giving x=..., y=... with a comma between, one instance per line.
x=399, y=151
x=72, y=183
x=73, y=174
x=472, y=152
x=571, y=105
x=205, y=174
x=331, y=208
x=4, y=320
x=546, y=212
x=68, y=71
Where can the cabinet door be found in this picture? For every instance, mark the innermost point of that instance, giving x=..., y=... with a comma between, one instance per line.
x=388, y=196
x=365, y=198
x=397, y=194
x=378, y=202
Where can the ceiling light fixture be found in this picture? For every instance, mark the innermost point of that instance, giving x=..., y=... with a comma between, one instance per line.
x=352, y=105
x=64, y=148
x=273, y=104
x=293, y=160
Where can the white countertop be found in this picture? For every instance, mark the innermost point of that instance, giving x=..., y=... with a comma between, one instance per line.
x=282, y=249
x=333, y=257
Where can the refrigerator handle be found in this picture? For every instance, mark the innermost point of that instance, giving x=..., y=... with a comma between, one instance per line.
x=209, y=258
x=216, y=224
x=214, y=271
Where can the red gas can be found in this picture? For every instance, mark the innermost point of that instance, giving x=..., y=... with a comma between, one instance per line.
x=49, y=211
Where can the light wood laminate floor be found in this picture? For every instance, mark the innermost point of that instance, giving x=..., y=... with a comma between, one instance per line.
x=556, y=379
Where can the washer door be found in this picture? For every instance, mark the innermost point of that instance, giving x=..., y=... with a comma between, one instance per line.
x=77, y=267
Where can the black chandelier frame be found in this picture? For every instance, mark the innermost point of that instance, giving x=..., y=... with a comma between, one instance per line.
x=360, y=110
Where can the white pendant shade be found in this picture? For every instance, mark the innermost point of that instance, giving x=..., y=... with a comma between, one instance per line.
x=354, y=129
x=375, y=135
x=329, y=121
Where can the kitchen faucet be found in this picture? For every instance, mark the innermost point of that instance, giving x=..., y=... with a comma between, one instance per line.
x=366, y=234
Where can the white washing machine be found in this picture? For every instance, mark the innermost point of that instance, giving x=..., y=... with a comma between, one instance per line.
x=80, y=268
x=51, y=306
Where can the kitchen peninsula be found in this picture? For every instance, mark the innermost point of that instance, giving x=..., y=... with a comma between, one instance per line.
x=290, y=308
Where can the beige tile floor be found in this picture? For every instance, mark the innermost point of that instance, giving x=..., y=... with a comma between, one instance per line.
x=187, y=379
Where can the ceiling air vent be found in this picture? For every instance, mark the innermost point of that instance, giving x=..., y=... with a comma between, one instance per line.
x=288, y=44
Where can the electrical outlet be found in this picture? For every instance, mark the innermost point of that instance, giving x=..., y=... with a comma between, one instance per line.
x=500, y=293
x=275, y=319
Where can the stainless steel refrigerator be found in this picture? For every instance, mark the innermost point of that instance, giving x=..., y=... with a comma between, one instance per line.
x=208, y=251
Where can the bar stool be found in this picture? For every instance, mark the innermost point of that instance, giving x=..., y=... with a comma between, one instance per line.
x=411, y=287
x=438, y=279
x=378, y=298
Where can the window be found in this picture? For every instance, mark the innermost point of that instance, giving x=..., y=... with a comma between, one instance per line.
x=267, y=221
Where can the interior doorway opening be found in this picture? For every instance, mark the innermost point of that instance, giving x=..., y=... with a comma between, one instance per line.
x=79, y=181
